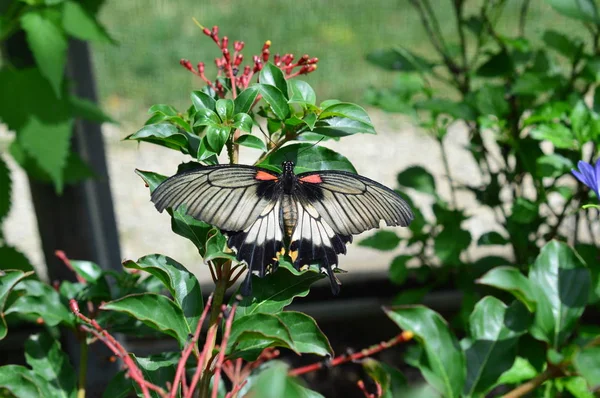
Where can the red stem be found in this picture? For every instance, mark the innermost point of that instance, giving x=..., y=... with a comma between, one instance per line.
x=222, y=350
x=401, y=338
x=188, y=350
x=63, y=257
x=211, y=336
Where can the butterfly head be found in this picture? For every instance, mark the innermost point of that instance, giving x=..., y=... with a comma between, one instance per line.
x=288, y=167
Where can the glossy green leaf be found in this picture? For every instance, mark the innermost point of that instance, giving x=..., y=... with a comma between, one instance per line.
x=524, y=211
x=399, y=59
x=190, y=228
x=344, y=110
x=49, y=46
x=306, y=335
x=79, y=23
x=251, y=141
x=8, y=280
x=207, y=117
x=201, y=100
x=558, y=134
x=224, y=108
x=307, y=157
x=180, y=282
x=167, y=135
x=243, y=122
x=489, y=100
x=217, y=137
x=159, y=369
x=216, y=247
x=20, y=381
x=45, y=356
x=561, y=285
x=450, y=243
x=520, y=371
x=417, y=178
x=587, y=363
x=251, y=334
x=151, y=179
x=155, y=311
x=442, y=362
x=553, y=165
x=13, y=259
x=510, y=279
x=340, y=127
x=495, y=330
x=275, y=291
x=381, y=240
x=244, y=101
x=491, y=238
x=275, y=98
x=301, y=92
x=583, y=10
x=273, y=382
x=88, y=110
x=40, y=300
x=271, y=74
x=392, y=381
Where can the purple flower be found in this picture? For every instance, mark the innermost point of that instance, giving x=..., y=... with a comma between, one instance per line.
x=589, y=175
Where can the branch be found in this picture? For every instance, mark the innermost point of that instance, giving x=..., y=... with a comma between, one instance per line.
x=524, y=389
x=222, y=349
x=401, y=338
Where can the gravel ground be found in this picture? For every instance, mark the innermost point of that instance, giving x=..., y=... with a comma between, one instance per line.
x=143, y=230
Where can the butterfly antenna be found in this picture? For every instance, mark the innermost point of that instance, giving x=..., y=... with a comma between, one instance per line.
x=313, y=145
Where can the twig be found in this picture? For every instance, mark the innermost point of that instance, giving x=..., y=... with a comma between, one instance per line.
x=401, y=338
x=222, y=350
x=524, y=389
x=378, y=393
x=212, y=332
x=63, y=257
x=523, y=17
x=188, y=350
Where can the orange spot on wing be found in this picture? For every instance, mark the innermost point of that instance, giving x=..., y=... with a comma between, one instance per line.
x=313, y=179
x=264, y=176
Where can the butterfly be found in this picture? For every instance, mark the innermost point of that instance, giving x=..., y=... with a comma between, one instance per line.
x=309, y=216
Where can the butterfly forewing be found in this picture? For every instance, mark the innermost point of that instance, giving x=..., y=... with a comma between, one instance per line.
x=352, y=204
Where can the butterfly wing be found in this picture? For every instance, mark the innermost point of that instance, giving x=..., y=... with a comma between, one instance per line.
x=229, y=197
x=350, y=203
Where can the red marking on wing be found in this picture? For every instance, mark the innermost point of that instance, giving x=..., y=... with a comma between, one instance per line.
x=313, y=179
x=264, y=176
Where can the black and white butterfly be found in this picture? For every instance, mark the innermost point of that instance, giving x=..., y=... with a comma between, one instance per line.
x=309, y=216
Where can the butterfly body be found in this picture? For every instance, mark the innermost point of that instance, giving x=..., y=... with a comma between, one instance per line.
x=310, y=216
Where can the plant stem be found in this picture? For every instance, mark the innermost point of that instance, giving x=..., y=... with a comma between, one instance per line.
x=524, y=389
x=448, y=175
x=83, y=358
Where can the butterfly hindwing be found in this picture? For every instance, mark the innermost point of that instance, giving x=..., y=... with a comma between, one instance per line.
x=228, y=197
x=315, y=242
x=351, y=203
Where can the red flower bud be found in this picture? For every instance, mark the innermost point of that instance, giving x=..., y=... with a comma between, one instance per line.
x=186, y=64
x=313, y=60
x=215, y=30
x=303, y=60
x=266, y=45
x=247, y=70
x=277, y=59
x=226, y=55
x=238, y=45
x=255, y=59
x=74, y=306
x=225, y=42
x=265, y=55
x=258, y=66
x=206, y=31
x=238, y=59
x=201, y=67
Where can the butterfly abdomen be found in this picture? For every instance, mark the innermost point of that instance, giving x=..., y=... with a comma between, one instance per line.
x=289, y=215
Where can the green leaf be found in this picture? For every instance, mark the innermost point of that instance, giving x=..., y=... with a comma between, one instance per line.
x=301, y=92
x=587, y=363
x=48, y=45
x=524, y=211
x=217, y=137
x=495, y=330
x=399, y=59
x=190, y=228
x=5, y=190
x=224, y=108
x=79, y=23
x=553, y=165
x=381, y=240
x=180, y=282
x=155, y=311
x=275, y=98
x=216, y=247
x=306, y=335
x=510, y=279
x=201, y=100
x=47, y=359
x=271, y=74
x=158, y=369
x=8, y=280
x=207, y=117
x=88, y=110
x=152, y=180
x=275, y=291
x=442, y=362
x=307, y=157
x=250, y=335
x=40, y=300
x=497, y=65
x=417, y=178
x=251, y=141
x=561, y=285
x=244, y=101
x=243, y=122
x=558, y=134
x=491, y=238
x=20, y=381
x=49, y=145
x=561, y=43
x=339, y=127
x=398, y=270
x=392, y=381
x=520, y=371
x=450, y=243
x=350, y=111
x=584, y=10
x=168, y=135
x=274, y=382
x=489, y=100
x=11, y=258
x=576, y=386
x=120, y=386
